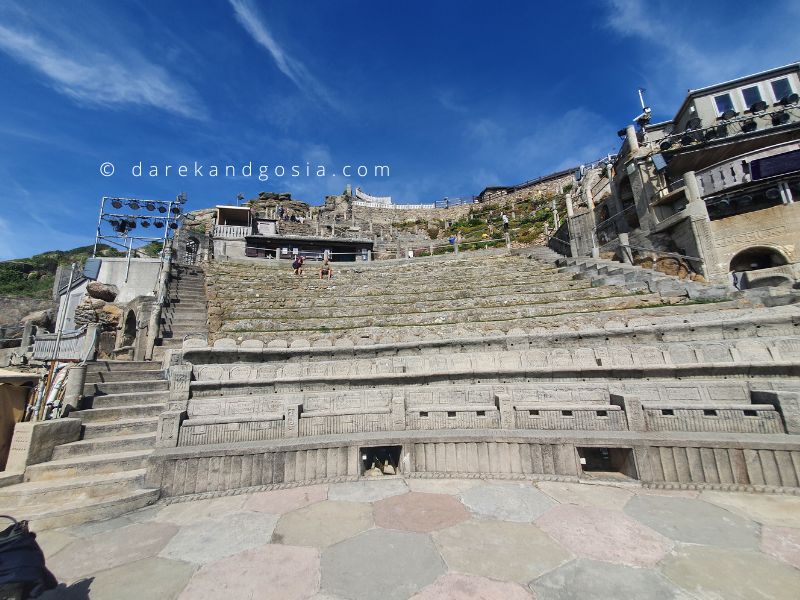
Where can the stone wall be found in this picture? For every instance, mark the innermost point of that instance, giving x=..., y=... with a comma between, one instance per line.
x=13, y=308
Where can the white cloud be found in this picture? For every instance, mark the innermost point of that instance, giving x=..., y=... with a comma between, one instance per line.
x=296, y=71
x=92, y=76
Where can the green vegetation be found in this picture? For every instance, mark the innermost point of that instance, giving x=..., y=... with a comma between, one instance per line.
x=33, y=277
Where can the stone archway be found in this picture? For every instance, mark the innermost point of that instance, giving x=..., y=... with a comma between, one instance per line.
x=129, y=330
x=756, y=258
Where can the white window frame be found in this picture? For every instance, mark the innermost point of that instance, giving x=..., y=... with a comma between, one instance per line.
x=731, y=95
x=772, y=91
x=756, y=85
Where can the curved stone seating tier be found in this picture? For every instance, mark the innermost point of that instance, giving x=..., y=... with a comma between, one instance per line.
x=681, y=460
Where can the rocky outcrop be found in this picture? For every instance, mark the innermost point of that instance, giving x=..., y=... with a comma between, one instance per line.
x=94, y=310
x=102, y=291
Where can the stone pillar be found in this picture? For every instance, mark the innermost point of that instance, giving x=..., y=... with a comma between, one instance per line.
x=89, y=349
x=700, y=224
x=786, y=403
x=398, y=413
x=570, y=209
x=506, y=409
x=169, y=422
x=73, y=389
x=369, y=255
x=625, y=248
x=634, y=414
x=633, y=140
x=292, y=422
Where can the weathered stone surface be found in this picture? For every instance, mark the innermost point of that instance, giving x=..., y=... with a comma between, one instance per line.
x=769, y=509
x=148, y=578
x=366, y=491
x=602, y=496
x=323, y=524
x=398, y=564
x=519, y=502
x=592, y=580
x=442, y=486
x=106, y=550
x=606, y=535
x=278, y=502
x=185, y=513
x=419, y=512
x=694, y=522
x=508, y=551
x=782, y=543
x=455, y=586
x=207, y=540
x=713, y=573
x=293, y=573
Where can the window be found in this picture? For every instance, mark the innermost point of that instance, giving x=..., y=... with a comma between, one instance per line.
x=709, y=412
x=781, y=89
x=481, y=413
x=750, y=413
x=724, y=103
x=602, y=413
x=566, y=413
x=751, y=95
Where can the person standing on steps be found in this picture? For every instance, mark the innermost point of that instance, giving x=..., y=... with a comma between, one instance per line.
x=297, y=265
x=326, y=271
x=505, y=222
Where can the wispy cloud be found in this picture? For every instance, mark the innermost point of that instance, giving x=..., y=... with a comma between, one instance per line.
x=688, y=47
x=296, y=71
x=93, y=76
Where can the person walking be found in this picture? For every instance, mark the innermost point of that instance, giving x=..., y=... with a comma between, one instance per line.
x=505, y=222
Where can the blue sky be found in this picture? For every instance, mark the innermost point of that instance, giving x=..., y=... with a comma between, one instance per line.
x=453, y=96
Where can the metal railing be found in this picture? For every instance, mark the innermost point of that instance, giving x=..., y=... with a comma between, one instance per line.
x=70, y=346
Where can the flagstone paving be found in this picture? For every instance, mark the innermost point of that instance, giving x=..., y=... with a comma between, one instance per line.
x=438, y=540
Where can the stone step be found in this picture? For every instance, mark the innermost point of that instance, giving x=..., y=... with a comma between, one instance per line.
x=131, y=411
x=109, y=445
x=55, y=492
x=87, y=509
x=414, y=305
x=121, y=387
x=119, y=365
x=82, y=466
x=126, y=399
x=113, y=376
x=121, y=427
x=454, y=315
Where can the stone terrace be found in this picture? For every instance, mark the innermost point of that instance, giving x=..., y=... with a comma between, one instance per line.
x=440, y=298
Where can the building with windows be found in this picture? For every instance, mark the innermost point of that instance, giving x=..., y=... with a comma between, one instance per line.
x=716, y=186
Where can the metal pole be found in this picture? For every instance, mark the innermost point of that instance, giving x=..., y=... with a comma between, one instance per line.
x=128, y=265
x=99, y=224
x=60, y=328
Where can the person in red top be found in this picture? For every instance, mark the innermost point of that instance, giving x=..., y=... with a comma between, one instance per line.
x=297, y=265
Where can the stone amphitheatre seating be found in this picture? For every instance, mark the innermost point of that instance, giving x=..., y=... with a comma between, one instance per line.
x=479, y=364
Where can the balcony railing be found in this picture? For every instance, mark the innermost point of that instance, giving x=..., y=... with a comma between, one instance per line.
x=70, y=347
x=235, y=232
x=736, y=171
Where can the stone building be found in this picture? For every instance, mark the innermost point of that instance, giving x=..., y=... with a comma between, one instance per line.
x=715, y=187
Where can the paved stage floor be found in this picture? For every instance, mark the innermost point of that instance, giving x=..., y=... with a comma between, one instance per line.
x=439, y=539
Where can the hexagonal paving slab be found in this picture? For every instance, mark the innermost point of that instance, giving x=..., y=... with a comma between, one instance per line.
x=186, y=513
x=147, y=578
x=323, y=524
x=606, y=535
x=366, y=490
x=714, y=573
x=783, y=543
x=381, y=564
x=208, y=540
x=455, y=586
x=508, y=551
x=442, y=486
x=104, y=550
x=419, y=512
x=694, y=521
x=292, y=574
x=770, y=509
x=518, y=502
x=278, y=502
x=593, y=580
x=604, y=496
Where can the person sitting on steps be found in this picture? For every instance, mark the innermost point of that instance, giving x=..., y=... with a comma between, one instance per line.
x=297, y=265
x=326, y=270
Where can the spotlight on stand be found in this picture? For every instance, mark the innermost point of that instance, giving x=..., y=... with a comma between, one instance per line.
x=116, y=203
x=665, y=145
x=758, y=107
x=145, y=224
x=151, y=206
x=790, y=99
x=780, y=118
x=176, y=210
x=134, y=205
x=729, y=114
x=162, y=209
x=173, y=225
x=159, y=224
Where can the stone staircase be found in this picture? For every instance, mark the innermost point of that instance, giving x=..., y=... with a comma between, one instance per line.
x=434, y=298
x=101, y=475
x=185, y=311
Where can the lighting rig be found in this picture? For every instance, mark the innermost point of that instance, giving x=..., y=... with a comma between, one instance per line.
x=123, y=221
